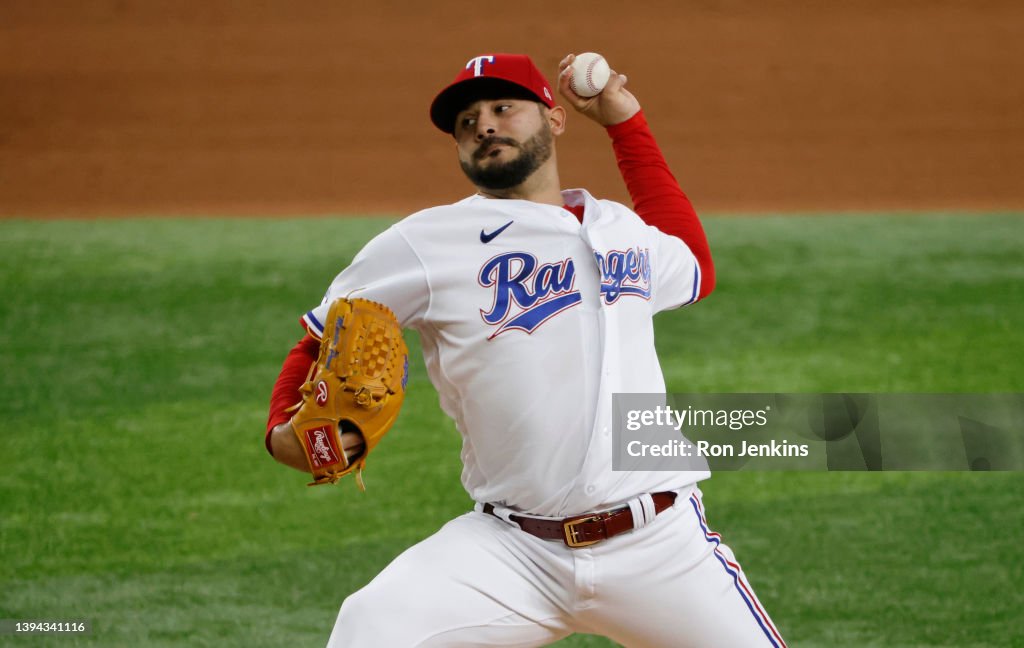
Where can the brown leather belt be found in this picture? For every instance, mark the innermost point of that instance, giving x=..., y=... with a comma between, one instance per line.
x=587, y=529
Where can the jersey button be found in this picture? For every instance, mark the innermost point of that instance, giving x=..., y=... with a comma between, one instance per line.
x=590, y=489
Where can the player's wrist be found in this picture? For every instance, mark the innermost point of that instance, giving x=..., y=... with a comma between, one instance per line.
x=285, y=447
x=635, y=122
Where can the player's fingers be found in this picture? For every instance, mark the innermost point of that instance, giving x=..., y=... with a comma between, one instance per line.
x=351, y=440
x=566, y=62
x=353, y=444
x=617, y=104
x=565, y=89
x=615, y=83
x=564, y=73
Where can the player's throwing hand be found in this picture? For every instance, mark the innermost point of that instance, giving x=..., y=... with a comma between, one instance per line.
x=611, y=106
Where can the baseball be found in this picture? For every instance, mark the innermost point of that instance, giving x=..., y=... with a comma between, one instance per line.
x=589, y=74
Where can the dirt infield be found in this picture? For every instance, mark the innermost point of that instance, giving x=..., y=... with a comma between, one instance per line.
x=123, y=107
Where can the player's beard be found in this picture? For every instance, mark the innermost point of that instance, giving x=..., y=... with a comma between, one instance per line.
x=499, y=176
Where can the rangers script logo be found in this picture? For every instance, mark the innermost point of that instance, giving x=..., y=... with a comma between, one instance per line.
x=624, y=273
x=526, y=293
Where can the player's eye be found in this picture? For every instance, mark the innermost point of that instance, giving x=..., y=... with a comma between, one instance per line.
x=468, y=122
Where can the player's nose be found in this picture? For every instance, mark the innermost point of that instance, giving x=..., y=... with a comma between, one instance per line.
x=485, y=128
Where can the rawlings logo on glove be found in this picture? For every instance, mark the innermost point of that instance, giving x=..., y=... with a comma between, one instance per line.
x=357, y=385
x=321, y=453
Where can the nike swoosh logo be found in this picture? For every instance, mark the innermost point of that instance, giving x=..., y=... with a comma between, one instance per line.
x=487, y=238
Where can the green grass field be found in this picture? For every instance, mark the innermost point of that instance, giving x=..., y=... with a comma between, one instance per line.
x=138, y=357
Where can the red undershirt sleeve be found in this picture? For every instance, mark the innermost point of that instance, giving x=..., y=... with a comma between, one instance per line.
x=286, y=389
x=657, y=197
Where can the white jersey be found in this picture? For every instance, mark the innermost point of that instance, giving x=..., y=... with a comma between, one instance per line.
x=530, y=322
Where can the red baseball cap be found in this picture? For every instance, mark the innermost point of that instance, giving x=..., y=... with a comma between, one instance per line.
x=491, y=76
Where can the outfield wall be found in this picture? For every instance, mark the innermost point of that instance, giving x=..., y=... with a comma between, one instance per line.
x=280, y=107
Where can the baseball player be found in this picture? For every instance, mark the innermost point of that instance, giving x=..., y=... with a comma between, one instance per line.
x=534, y=305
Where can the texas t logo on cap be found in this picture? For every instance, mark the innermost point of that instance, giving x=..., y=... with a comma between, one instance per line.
x=477, y=63
x=490, y=76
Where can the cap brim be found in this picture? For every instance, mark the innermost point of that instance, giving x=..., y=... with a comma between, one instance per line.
x=453, y=99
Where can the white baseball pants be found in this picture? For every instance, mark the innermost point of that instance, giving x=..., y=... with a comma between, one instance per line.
x=479, y=581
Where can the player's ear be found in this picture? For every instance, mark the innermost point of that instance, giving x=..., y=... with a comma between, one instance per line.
x=556, y=117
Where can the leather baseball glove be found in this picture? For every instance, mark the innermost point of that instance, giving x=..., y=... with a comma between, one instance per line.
x=357, y=385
